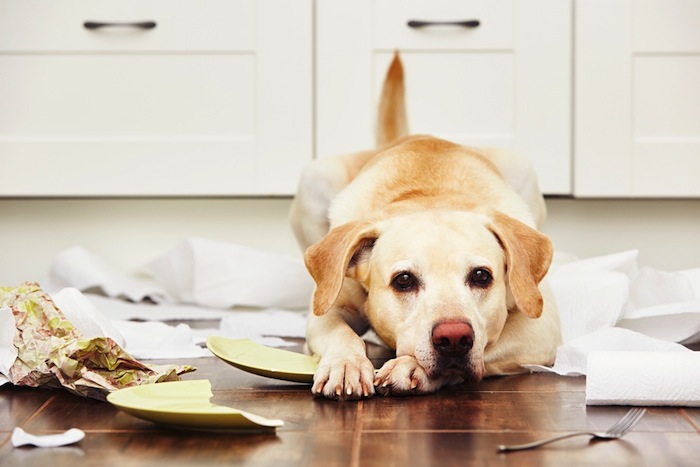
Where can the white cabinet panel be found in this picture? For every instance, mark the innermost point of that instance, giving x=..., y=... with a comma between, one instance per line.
x=38, y=25
x=666, y=96
x=78, y=95
x=637, y=98
x=666, y=26
x=170, y=111
x=506, y=82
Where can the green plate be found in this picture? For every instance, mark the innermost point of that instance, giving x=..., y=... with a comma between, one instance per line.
x=185, y=404
x=264, y=361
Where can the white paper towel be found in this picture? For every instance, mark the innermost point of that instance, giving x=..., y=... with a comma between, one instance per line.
x=607, y=304
x=77, y=267
x=217, y=274
x=8, y=352
x=85, y=316
x=154, y=339
x=643, y=378
x=572, y=357
x=591, y=293
x=198, y=272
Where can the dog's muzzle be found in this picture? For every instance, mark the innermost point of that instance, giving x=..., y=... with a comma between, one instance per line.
x=452, y=341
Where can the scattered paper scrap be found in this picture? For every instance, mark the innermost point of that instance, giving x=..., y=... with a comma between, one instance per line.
x=222, y=275
x=22, y=438
x=77, y=267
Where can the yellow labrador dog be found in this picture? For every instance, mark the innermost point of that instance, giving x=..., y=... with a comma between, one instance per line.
x=432, y=245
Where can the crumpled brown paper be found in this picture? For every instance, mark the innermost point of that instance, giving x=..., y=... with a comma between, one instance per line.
x=51, y=351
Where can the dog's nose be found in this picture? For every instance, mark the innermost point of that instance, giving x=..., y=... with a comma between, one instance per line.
x=453, y=337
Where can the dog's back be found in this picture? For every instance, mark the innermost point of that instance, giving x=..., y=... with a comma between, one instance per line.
x=418, y=172
x=325, y=183
x=393, y=128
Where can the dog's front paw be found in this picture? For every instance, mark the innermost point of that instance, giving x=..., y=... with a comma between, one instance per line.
x=404, y=376
x=344, y=378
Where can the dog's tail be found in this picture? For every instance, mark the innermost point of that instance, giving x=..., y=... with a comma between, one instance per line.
x=392, y=123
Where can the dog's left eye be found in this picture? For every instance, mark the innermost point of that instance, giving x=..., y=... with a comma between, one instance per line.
x=404, y=282
x=480, y=278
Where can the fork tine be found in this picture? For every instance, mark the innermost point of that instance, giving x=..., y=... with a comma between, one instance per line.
x=627, y=422
x=622, y=421
x=634, y=420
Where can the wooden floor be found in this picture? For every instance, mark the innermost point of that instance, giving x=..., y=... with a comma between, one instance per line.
x=459, y=426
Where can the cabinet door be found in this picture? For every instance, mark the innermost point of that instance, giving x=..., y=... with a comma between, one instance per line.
x=637, y=98
x=503, y=83
x=215, y=100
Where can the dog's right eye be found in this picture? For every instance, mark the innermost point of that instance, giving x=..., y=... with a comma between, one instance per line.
x=404, y=282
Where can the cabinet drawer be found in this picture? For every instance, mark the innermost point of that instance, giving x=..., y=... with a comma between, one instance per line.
x=495, y=30
x=64, y=96
x=193, y=107
x=637, y=112
x=669, y=26
x=180, y=25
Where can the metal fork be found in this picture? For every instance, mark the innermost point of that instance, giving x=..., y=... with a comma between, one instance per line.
x=618, y=430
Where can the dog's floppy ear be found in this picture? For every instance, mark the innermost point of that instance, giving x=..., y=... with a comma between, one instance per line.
x=335, y=256
x=528, y=256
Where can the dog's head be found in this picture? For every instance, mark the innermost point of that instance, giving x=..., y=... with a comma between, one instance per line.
x=439, y=285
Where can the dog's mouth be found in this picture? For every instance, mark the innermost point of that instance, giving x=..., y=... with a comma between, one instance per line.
x=460, y=367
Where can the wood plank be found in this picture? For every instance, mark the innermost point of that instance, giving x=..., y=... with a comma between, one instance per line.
x=460, y=425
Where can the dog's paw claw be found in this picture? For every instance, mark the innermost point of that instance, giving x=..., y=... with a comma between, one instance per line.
x=404, y=376
x=344, y=378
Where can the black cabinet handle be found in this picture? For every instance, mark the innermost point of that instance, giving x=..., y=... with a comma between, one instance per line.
x=102, y=24
x=471, y=23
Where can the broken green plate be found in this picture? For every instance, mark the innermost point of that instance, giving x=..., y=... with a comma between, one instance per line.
x=185, y=404
x=264, y=361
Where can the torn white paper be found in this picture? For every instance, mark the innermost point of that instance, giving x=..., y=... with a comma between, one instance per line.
x=279, y=323
x=608, y=304
x=22, y=438
x=156, y=340
x=79, y=268
x=222, y=275
x=197, y=272
x=86, y=317
x=8, y=351
x=665, y=305
x=572, y=357
x=588, y=301
x=164, y=311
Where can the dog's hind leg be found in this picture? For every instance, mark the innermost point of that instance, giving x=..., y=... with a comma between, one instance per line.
x=319, y=184
x=520, y=174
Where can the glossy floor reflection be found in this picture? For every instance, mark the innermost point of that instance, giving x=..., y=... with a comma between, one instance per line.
x=458, y=426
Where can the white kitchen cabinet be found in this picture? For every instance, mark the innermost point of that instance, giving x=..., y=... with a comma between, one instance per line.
x=506, y=82
x=637, y=118
x=232, y=98
x=180, y=98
